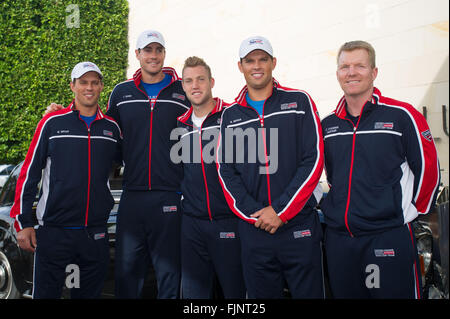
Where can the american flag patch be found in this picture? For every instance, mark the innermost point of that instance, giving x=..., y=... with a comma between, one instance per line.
x=384, y=125
x=384, y=252
x=179, y=96
x=288, y=106
x=107, y=133
x=302, y=233
x=170, y=209
x=99, y=236
x=227, y=235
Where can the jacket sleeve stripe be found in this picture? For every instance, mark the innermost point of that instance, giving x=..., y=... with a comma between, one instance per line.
x=429, y=174
x=18, y=207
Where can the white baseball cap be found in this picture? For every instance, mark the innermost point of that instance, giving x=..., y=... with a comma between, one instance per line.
x=255, y=43
x=149, y=36
x=84, y=67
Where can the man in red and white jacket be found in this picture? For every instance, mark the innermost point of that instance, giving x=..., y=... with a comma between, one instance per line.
x=383, y=171
x=72, y=151
x=271, y=160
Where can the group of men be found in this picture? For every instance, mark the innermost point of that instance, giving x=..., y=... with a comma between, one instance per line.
x=240, y=204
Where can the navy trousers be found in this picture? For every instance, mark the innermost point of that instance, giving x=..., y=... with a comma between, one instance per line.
x=210, y=248
x=292, y=256
x=382, y=265
x=148, y=231
x=85, y=251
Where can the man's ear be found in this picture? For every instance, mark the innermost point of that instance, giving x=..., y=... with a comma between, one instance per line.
x=240, y=66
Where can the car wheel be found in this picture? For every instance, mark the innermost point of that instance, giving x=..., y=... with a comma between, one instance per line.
x=8, y=289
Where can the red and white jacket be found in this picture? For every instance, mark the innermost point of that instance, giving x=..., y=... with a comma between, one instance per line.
x=73, y=162
x=275, y=159
x=382, y=170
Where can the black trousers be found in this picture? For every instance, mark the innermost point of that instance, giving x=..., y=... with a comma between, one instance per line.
x=148, y=231
x=381, y=265
x=75, y=258
x=209, y=248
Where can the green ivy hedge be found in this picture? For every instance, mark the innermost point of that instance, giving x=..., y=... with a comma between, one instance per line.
x=40, y=42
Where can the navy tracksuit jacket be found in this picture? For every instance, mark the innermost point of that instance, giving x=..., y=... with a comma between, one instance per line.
x=209, y=237
x=148, y=225
x=275, y=159
x=74, y=162
x=383, y=171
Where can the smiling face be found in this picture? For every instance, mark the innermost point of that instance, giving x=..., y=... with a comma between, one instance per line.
x=257, y=68
x=355, y=73
x=151, y=58
x=87, y=89
x=197, y=84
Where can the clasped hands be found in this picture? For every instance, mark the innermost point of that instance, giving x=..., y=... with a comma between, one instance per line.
x=268, y=220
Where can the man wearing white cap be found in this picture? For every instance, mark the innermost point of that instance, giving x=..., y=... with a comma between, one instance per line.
x=72, y=152
x=273, y=195
x=148, y=226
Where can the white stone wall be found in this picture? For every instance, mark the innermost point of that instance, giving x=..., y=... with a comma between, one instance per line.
x=409, y=36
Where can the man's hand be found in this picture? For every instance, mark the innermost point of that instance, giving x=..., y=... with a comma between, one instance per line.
x=52, y=108
x=268, y=219
x=27, y=239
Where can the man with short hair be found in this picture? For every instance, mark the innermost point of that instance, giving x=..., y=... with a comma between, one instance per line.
x=72, y=151
x=279, y=228
x=148, y=226
x=209, y=237
x=383, y=171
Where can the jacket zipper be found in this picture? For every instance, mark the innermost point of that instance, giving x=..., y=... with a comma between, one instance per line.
x=89, y=169
x=351, y=171
x=89, y=176
x=203, y=170
x=152, y=106
x=261, y=121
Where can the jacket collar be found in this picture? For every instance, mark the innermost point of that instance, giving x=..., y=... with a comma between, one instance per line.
x=186, y=117
x=137, y=76
x=99, y=114
x=341, y=109
x=241, y=100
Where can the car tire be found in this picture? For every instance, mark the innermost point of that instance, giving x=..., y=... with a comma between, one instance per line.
x=8, y=289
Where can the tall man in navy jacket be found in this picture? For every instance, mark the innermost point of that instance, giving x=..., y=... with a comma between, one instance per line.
x=72, y=151
x=271, y=153
x=148, y=226
x=209, y=237
x=383, y=171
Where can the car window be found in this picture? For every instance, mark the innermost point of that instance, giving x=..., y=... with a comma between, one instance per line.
x=9, y=189
x=115, y=178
